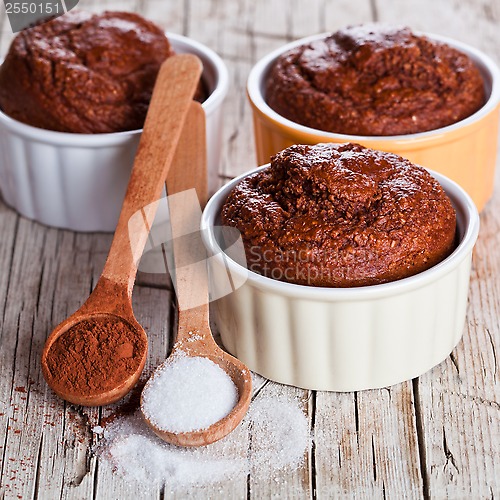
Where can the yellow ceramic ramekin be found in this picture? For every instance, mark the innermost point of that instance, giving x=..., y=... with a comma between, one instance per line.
x=465, y=151
x=341, y=339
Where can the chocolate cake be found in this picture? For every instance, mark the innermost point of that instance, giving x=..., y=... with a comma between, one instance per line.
x=341, y=215
x=374, y=80
x=83, y=72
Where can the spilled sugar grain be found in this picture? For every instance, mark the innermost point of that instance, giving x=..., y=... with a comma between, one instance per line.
x=188, y=394
x=280, y=434
x=279, y=437
x=138, y=455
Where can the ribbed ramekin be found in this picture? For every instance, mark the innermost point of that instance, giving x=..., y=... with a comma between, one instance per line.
x=342, y=339
x=465, y=151
x=78, y=181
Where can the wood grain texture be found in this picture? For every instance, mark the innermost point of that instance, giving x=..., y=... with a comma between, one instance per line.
x=435, y=437
x=176, y=85
x=372, y=451
x=458, y=402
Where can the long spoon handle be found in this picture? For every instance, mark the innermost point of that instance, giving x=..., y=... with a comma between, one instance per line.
x=173, y=92
x=186, y=189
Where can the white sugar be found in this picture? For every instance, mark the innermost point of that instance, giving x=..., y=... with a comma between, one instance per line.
x=280, y=433
x=139, y=456
x=188, y=394
x=276, y=428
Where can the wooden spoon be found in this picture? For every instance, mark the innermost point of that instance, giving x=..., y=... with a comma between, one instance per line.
x=194, y=337
x=97, y=355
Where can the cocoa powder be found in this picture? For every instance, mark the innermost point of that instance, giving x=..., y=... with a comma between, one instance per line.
x=95, y=356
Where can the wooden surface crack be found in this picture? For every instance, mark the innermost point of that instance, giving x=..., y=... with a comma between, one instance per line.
x=9, y=272
x=478, y=400
x=95, y=481
x=419, y=425
x=448, y=454
x=38, y=469
x=374, y=460
x=455, y=363
x=312, y=451
x=494, y=352
x=4, y=451
x=356, y=416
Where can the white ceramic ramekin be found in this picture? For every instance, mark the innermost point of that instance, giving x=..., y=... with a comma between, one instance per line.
x=465, y=151
x=342, y=339
x=78, y=181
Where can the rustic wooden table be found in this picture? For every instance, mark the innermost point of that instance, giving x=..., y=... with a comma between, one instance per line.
x=437, y=436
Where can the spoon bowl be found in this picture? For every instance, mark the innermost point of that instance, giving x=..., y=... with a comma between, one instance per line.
x=122, y=373
x=240, y=377
x=97, y=354
x=107, y=393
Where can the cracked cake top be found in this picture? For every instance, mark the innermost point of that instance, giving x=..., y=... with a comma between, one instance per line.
x=374, y=80
x=341, y=215
x=83, y=72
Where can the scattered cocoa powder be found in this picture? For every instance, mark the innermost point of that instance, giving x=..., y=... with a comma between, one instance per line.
x=128, y=407
x=95, y=356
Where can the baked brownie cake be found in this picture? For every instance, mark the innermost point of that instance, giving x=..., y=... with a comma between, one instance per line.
x=375, y=80
x=341, y=215
x=83, y=72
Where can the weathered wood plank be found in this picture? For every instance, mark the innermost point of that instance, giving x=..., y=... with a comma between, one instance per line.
x=366, y=445
x=8, y=231
x=27, y=405
x=336, y=15
x=171, y=15
x=239, y=153
x=459, y=401
x=296, y=482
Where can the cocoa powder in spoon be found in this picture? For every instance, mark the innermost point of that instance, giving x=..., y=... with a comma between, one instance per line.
x=95, y=356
